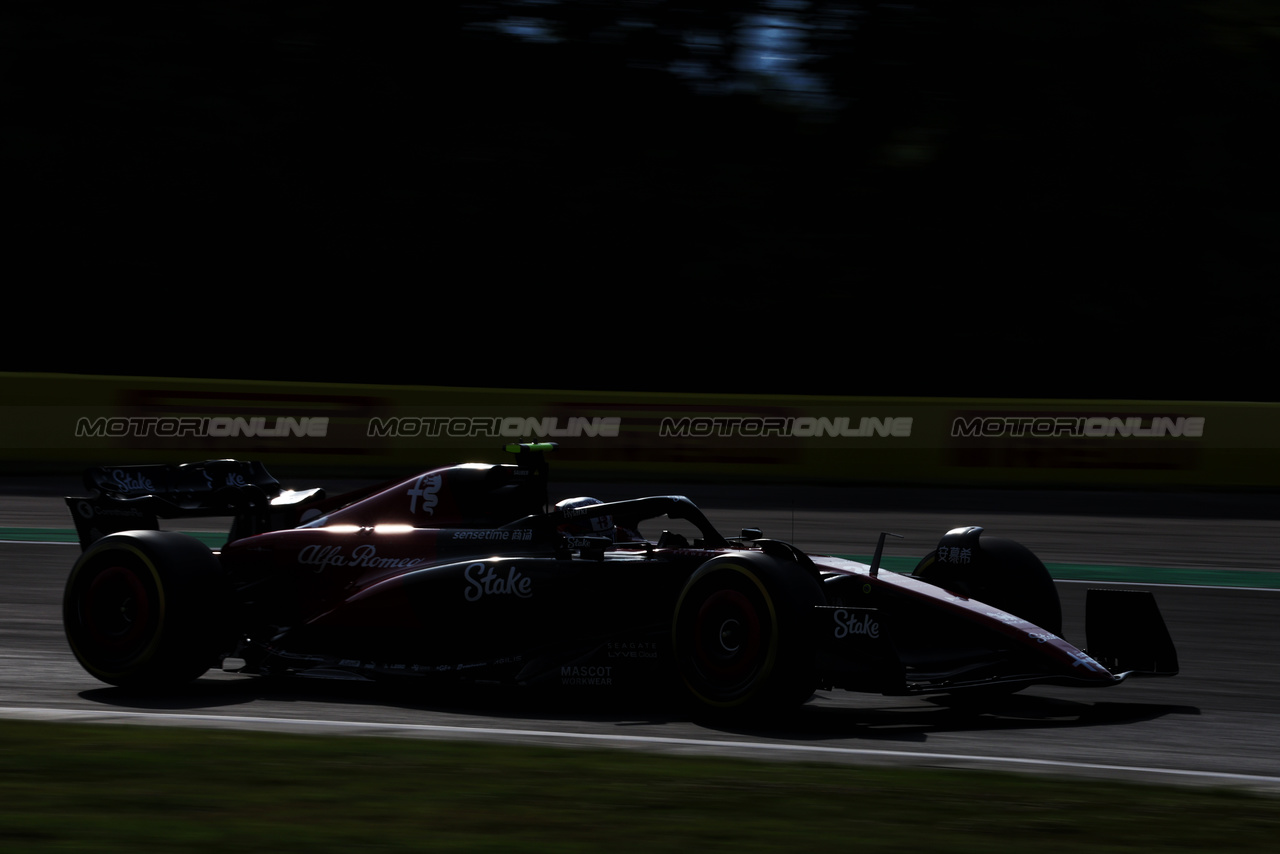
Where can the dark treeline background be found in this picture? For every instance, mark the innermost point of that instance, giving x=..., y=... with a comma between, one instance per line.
x=1005, y=198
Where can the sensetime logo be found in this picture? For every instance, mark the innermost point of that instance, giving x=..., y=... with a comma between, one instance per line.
x=1096, y=426
x=800, y=427
x=216, y=427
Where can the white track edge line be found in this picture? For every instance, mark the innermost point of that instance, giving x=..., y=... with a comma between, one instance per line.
x=28, y=713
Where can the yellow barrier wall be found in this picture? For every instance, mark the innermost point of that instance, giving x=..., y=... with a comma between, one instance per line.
x=57, y=422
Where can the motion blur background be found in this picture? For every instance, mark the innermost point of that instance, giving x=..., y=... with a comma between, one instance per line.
x=810, y=196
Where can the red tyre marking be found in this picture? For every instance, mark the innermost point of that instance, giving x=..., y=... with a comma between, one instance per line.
x=727, y=636
x=116, y=610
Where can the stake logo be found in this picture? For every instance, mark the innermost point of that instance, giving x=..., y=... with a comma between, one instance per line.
x=851, y=624
x=483, y=580
x=132, y=482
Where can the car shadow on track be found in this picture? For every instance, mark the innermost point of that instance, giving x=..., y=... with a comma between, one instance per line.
x=386, y=701
x=913, y=719
x=834, y=716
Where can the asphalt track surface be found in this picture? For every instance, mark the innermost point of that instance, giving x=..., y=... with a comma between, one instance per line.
x=1217, y=723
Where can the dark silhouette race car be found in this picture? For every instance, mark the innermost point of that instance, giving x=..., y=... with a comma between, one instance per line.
x=467, y=573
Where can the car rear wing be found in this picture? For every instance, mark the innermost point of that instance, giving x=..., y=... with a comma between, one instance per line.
x=124, y=498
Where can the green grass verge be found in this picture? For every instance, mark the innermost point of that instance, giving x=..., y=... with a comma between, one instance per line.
x=149, y=789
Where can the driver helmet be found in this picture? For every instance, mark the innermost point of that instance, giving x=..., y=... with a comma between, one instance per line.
x=590, y=526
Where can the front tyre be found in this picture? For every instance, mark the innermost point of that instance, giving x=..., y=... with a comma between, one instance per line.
x=146, y=609
x=1001, y=573
x=743, y=635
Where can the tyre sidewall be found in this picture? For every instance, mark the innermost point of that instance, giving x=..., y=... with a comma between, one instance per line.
x=743, y=634
x=1009, y=577
x=143, y=608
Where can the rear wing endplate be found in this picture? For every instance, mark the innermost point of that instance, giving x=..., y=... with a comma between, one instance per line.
x=124, y=498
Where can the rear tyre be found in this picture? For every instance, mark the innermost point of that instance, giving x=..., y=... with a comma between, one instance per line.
x=145, y=609
x=743, y=635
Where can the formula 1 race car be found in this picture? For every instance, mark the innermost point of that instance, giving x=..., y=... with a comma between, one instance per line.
x=466, y=573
